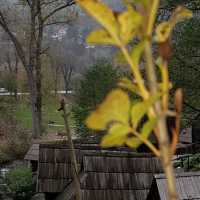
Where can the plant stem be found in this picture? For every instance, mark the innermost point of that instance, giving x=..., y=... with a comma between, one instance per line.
x=136, y=73
x=165, y=150
x=163, y=138
x=147, y=143
x=165, y=85
x=152, y=16
x=72, y=155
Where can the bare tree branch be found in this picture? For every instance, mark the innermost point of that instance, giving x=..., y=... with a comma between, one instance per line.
x=69, y=3
x=13, y=38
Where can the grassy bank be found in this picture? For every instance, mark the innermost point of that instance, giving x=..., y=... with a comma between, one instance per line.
x=21, y=111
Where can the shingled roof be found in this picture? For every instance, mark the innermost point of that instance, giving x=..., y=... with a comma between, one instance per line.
x=116, y=173
x=187, y=184
x=107, y=174
x=33, y=153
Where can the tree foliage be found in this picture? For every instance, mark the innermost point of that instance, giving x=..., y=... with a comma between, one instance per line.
x=96, y=83
x=137, y=21
x=184, y=67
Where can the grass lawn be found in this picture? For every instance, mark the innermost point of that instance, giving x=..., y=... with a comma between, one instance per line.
x=49, y=114
x=22, y=112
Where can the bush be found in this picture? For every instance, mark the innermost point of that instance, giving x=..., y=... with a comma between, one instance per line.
x=15, y=140
x=4, y=158
x=20, y=183
x=9, y=82
x=96, y=84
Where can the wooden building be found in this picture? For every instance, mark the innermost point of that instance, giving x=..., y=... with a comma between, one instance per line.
x=104, y=174
x=187, y=185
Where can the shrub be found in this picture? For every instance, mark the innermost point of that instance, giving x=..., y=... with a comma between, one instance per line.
x=15, y=140
x=9, y=82
x=20, y=183
x=4, y=157
x=98, y=80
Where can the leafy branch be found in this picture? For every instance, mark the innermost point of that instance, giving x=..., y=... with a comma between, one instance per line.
x=121, y=117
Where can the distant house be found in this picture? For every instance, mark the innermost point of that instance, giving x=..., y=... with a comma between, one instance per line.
x=187, y=185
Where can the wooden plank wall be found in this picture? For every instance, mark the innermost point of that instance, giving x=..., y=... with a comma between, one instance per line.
x=55, y=168
x=108, y=174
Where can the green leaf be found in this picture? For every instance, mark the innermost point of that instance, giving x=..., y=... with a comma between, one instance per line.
x=115, y=108
x=140, y=109
x=100, y=36
x=116, y=136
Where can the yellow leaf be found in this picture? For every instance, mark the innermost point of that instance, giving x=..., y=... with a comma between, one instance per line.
x=101, y=13
x=165, y=85
x=164, y=29
x=116, y=136
x=180, y=14
x=129, y=21
x=100, y=36
x=133, y=142
x=142, y=2
x=115, y=108
x=148, y=128
x=140, y=109
x=137, y=52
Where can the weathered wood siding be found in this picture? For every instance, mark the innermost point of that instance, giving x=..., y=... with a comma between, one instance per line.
x=52, y=185
x=117, y=181
x=118, y=176
x=107, y=174
x=114, y=194
x=55, y=168
x=134, y=163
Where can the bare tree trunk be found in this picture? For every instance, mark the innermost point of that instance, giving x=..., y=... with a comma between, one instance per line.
x=34, y=82
x=36, y=129
x=32, y=61
x=67, y=74
x=56, y=81
x=39, y=64
x=16, y=76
